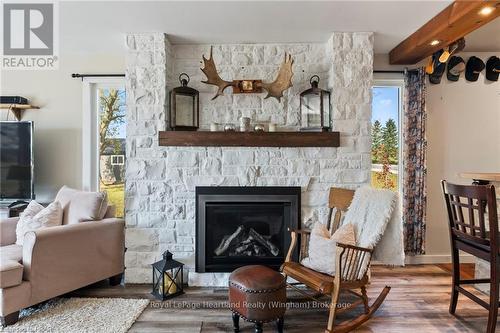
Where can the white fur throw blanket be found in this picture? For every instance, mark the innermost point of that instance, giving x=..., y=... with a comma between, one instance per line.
x=376, y=217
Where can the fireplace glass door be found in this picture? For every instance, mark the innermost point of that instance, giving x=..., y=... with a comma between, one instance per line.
x=238, y=226
x=244, y=232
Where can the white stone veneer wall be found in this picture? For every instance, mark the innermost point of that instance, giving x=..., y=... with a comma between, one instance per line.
x=160, y=201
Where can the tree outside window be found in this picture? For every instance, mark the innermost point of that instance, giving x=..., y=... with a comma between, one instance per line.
x=112, y=112
x=385, y=137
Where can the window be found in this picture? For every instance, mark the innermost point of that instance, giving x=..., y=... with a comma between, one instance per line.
x=386, y=124
x=117, y=160
x=104, y=139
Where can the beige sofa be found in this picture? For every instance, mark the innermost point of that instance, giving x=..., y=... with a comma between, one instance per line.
x=56, y=260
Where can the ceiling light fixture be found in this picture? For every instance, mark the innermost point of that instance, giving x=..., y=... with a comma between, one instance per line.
x=485, y=11
x=435, y=42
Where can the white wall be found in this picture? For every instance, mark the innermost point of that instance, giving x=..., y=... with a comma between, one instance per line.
x=463, y=134
x=58, y=123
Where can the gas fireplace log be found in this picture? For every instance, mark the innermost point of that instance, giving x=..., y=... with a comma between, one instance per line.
x=259, y=251
x=264, y=242
x=246, y=242
x=242, y=248
x=227, y=240
x=248, y=246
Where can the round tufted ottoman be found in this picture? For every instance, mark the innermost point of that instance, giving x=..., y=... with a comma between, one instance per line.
x=258, y=294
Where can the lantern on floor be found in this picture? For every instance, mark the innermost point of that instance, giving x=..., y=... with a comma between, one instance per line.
x=184, y=106
x=167, y=277
x=315, y=107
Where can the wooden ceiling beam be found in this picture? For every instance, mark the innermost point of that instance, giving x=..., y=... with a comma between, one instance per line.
x=454, y=22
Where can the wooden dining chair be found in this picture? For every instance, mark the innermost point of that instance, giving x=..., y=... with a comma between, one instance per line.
x=473, y=226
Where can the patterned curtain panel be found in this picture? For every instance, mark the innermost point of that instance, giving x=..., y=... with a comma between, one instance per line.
x=414, y=162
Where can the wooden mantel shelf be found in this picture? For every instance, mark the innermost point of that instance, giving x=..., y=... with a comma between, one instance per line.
x=249, y=139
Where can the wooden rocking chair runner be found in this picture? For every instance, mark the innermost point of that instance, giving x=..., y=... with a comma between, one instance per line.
x=351, y=268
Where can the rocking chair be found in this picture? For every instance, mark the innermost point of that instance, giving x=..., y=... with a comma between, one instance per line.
x=352, y=263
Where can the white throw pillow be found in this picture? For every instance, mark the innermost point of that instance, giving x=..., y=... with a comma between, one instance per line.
x=35, y=216
x=323, y=247
x=25, y=217
x=81, y=206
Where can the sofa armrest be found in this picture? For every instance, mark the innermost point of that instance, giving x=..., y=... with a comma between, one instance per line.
x=8, y=230
x=60, y=259
x=11, y=273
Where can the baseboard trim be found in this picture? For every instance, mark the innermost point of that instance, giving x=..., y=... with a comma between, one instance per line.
x=437, y=259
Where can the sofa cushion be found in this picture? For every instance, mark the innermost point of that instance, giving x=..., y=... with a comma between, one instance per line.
x=80, y=206
x=12, y=252
x=45, y=217
x=8, y=230
x=110, y=212
x=11, y=273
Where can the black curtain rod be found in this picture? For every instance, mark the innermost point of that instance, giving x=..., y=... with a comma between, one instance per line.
x=82, y=76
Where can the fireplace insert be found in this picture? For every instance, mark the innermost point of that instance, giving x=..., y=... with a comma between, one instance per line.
x=237, y=226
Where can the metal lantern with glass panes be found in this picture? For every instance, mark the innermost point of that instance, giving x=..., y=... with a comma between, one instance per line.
x=167, y=277
x=315, y=107
x=184, y=106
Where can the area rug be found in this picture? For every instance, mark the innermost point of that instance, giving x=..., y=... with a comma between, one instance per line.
x=79, y=315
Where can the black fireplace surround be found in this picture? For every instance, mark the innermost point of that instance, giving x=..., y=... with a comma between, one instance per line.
x=238, y=226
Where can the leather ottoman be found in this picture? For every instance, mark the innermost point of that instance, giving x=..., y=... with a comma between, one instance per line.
x=258, y=294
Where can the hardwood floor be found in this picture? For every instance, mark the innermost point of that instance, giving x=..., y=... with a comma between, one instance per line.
x=418, y=302
x=466, y=270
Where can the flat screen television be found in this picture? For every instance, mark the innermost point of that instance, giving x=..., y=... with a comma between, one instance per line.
x=16, y=160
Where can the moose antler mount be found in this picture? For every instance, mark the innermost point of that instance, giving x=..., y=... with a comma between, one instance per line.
x=274, y=89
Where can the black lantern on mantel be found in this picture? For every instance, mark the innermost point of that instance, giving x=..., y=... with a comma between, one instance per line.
x=315, y=107
x=184, y=106
x=167, y=277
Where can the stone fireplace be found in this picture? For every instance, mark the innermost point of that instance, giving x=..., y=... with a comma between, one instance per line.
x=161, y=181
x=237, y=226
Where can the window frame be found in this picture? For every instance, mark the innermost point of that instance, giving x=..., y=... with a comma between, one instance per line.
x=120, y=159
x=381, y=80
x=90, y=123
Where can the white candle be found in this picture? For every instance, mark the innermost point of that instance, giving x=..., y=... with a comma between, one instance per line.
x=272, y=127
x=214, y=127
